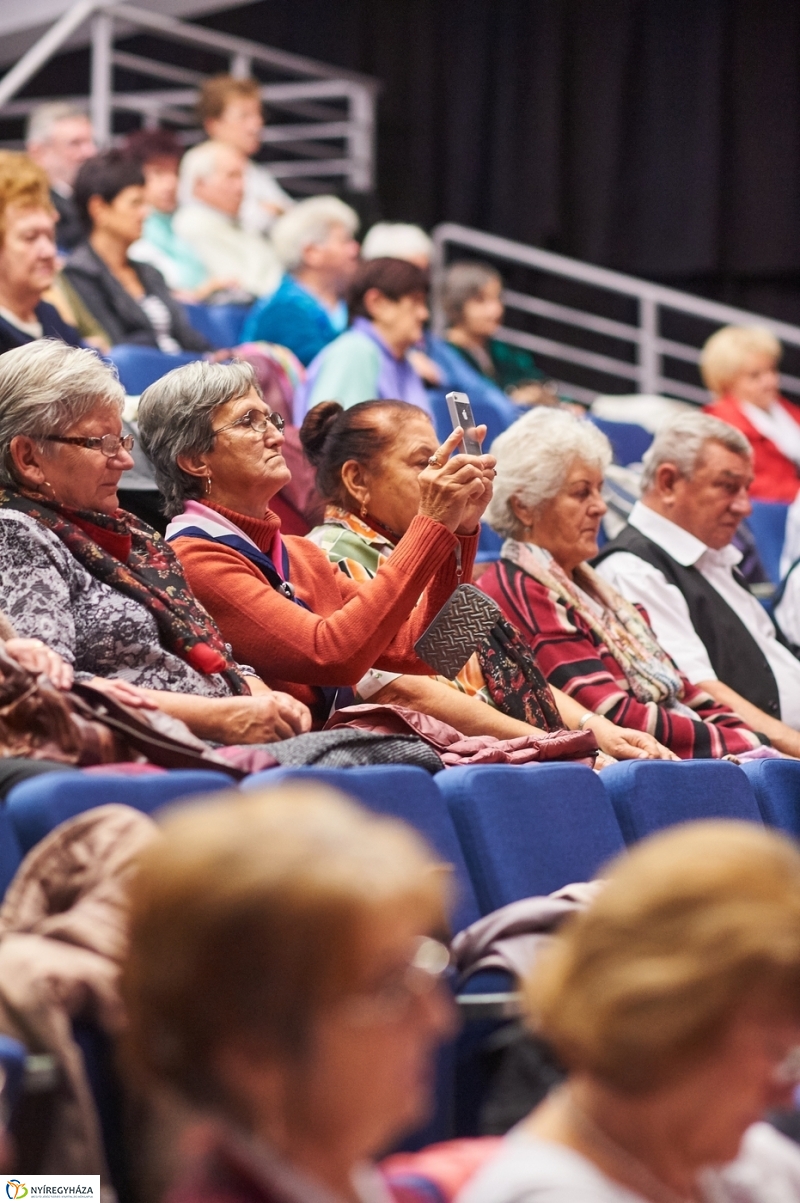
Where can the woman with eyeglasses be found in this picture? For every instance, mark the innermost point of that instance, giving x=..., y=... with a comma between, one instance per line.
x=284, y=979
x=93, y=582
x=216, y=449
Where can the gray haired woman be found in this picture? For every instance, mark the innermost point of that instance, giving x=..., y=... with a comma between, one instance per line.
x=587, y=639
x=470, y=296
x=92, y=581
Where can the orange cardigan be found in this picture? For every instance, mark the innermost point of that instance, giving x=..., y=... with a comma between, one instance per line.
x=349, y=628
x=775, y=476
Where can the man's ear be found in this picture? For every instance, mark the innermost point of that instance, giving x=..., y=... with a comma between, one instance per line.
x=195, y=465
x=667, y=476
x=27, y=457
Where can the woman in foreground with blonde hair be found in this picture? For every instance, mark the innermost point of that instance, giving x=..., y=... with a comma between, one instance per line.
x=674, y=1002
x=739, y=365
x=284, y=979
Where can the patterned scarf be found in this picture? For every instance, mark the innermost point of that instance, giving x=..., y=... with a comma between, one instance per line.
x=132, y=558
x=647, y=668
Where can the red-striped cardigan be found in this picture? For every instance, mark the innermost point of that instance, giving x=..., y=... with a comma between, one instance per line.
x=574, y=659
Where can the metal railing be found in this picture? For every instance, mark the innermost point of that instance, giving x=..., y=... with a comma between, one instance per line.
x=326, y=125
x=580, y=339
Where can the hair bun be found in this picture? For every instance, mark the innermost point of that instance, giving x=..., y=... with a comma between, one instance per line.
x=316, y=428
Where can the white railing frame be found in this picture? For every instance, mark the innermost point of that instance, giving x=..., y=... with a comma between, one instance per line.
x=647, y=373
x=308, y=138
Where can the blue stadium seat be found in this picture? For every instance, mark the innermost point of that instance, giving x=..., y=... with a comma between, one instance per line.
x=36, y=806
x=529, y=830
x=650, y=794
x=139, y=367
x=628, y=441
x=776, y=785
x=12, y=1069
x=489, y=545
x=10, y=851
x=768, y=525
x=408, y=793
x=221, y=324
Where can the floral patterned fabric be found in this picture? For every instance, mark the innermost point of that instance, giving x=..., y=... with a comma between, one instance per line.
x=148, y=573
x=502, y=671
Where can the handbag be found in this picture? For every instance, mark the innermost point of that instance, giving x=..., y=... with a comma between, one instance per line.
x=84, y=726
x=448, y=642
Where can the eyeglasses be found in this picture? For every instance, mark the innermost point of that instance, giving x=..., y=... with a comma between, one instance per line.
x=390, y=1001
x=108, y=444
x=257, y=421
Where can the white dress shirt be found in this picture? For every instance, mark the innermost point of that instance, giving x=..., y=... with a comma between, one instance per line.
x=226, y=250
x=264, y=199
x=669, y=613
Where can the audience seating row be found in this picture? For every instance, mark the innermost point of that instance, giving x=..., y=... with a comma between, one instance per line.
x=509, y=832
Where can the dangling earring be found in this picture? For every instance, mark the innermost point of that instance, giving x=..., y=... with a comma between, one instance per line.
x=207, y=480
x=52, y=494
x=364, y=506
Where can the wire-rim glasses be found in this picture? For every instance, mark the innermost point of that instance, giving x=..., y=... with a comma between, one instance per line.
x=256, y=421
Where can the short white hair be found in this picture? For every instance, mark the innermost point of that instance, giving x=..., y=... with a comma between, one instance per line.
x=309, y=223
x=396, y=240
x=46, y=387
x=197, y=164
x=45, y=117
x=534, y=456
x=683, y=441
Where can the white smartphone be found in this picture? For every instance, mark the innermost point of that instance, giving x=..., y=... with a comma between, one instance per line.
x=461, y=415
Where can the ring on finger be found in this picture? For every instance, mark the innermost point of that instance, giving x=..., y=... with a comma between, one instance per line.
x=434, y=461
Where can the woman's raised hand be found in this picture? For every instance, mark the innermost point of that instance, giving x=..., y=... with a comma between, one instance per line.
x=456, y=491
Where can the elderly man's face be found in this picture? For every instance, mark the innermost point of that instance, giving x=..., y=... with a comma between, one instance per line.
x=70, y=144
x=27, y=253
x=223, y=188
x=711, y=503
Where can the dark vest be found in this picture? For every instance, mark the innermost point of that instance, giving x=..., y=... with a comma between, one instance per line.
x=737, y=659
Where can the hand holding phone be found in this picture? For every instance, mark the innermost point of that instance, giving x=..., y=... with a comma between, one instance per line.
x=460, y=410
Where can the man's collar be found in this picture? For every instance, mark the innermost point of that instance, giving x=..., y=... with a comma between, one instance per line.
x=676, y=541
x=61, y=189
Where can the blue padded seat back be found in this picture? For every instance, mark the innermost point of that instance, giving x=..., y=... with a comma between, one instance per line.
x=628, y=441
x=776, y=785
x=39, y=804
x=10, y=851
x=222, y=325
x=650, y=794
x=12, y=1064
x=768, y=525
x=404, y=791
x=529, y=830
x=140, y=367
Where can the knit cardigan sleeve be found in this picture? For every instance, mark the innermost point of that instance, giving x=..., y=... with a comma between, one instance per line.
x=573, y=659
x=350, y=626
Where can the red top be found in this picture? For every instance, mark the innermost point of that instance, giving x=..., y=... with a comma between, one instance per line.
x=776, y=477
x=349, y=627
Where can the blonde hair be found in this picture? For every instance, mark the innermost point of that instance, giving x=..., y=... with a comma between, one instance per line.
x=247, y=920
x=725, y=354
x=219, y=89
x=23, y=183
x=693, y=923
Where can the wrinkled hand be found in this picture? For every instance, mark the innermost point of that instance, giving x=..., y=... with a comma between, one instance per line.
x=37, y=657
x=123, y=692
x=263, y=719
x=457, y=491
x=624, y=743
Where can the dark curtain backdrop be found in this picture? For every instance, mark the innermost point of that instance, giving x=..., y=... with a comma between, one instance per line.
x=660, y=137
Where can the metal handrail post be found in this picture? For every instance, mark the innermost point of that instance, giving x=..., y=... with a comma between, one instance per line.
x=45, y=48
x=649, y=353
x=102, y=71
x=361, y=138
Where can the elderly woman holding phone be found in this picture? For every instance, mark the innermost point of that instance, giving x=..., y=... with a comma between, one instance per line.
x=216, y=449
x=369, y=460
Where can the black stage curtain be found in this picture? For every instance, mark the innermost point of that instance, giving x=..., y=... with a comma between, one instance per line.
x=659, y=137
